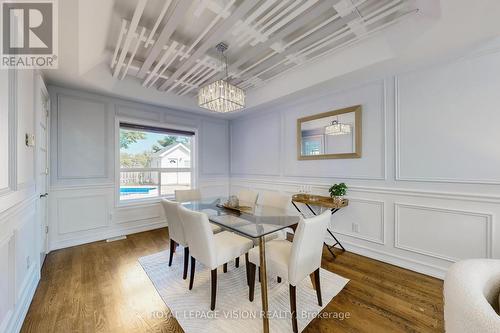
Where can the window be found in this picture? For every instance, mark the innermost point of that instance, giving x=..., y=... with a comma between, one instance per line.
x=154, y=162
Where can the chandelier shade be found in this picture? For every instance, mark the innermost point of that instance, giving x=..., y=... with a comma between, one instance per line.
x=221, y=96
x=337, y=128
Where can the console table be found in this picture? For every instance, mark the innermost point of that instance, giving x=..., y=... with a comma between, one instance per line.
x=322, y=201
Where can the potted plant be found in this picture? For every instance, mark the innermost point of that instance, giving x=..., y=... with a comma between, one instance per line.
x=337, y=191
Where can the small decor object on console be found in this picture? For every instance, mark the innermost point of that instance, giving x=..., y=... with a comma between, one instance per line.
x=337, y=191
x=233, y=202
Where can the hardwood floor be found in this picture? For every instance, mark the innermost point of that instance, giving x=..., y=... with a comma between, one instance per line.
x=100, y=287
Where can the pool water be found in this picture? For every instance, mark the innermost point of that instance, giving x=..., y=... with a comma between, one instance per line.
x=134, y=190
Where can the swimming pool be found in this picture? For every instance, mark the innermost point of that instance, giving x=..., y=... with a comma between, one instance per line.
x=136, y=190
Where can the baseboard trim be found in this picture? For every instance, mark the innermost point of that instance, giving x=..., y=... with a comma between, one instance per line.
x=99, y=235
x=407, y=263
x=17, y=319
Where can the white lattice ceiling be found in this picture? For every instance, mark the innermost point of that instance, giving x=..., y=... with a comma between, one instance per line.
x=169, y=44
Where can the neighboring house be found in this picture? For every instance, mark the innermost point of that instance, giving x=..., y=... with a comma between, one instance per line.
x=174, y=156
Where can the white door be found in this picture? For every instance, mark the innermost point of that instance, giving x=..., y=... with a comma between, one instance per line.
x=42, y=148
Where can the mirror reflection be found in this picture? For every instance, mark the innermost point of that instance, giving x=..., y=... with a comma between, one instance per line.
x=333, y=134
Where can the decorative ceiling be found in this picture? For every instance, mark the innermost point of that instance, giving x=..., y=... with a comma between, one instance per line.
x=169, y=45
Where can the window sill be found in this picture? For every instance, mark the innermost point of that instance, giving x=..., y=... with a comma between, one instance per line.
x=141, y=202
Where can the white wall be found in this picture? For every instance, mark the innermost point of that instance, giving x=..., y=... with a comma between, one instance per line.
x=83, y=204
x=426, y=191
x=19, y=230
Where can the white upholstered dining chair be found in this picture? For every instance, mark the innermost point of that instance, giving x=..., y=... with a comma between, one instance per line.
x=211, y=250
x=193, y=195
x=175, y=232
x=294, y=261
x=275, y=199
x=187, y=195
x=247, y=196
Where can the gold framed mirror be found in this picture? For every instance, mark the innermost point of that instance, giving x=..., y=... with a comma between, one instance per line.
x=330, y=135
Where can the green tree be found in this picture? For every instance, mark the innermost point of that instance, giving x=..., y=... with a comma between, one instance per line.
x=170, y=139
x=128, y=137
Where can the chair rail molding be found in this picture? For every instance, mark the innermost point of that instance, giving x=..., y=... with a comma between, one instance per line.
x=488, y=224
x=461, y=196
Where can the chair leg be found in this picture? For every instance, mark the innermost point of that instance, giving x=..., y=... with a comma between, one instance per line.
x=293, y=308
x=224, y=268
x=186, y=262
x=237, y=262
x=318, y=287
x=279, y=279
x=247, y=269
x=259, y=274
x=311, y=277
x=251, y=283
x=214, y=289
x=191, y=276
x=172, y=250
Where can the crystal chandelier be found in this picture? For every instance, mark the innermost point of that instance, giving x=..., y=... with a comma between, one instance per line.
x=221, y=96
x=336, y=128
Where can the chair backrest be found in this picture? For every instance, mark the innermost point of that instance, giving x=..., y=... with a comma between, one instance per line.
x=187, y=195
x=275, y=199
x=471, y=291
x=175, y=227
x=307, y=247
x=199, y=236
x=248, y=196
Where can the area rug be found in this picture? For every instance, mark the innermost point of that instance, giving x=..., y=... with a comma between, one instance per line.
x=234, y=312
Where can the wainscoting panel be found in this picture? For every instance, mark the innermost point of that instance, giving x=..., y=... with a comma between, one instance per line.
x=364, y=220
x=85, y=212
x=443, y=233
x=138, y=213
x=424, y=231
x=25, y=236
x=7, y=279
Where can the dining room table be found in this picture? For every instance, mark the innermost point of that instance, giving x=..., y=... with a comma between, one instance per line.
x=253, y=221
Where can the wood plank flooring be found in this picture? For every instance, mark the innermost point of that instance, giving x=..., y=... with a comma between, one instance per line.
x=100, y=287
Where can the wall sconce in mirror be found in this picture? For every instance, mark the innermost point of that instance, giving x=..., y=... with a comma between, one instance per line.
x=30, y=140
x=329, y=135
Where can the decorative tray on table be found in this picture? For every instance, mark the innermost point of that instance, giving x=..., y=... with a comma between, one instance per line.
x=235, y=208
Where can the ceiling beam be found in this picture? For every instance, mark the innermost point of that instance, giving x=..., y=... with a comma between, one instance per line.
x=173, y=21
x=130, y=34
x=324, y=32
x=263, y=48
x=219, y=32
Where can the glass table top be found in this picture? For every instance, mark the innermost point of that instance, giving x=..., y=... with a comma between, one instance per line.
x=253, y=221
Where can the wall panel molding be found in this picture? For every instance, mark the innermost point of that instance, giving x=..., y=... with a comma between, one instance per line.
x=383, y=131
x=488, y=225
x=398, y=141
x=67, y=174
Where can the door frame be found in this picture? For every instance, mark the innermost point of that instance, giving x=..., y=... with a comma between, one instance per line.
x=41, y=93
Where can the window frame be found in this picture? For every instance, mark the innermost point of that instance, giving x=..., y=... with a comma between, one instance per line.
x=194, y=159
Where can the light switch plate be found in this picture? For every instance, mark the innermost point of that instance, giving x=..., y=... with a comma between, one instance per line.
x=30, y=140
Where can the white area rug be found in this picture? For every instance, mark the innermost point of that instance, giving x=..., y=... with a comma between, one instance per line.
x=233, y=311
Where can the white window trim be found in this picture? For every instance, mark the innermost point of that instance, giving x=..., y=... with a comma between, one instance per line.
x=194, y=160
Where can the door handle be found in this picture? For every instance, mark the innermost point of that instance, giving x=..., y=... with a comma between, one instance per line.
x=44, y=195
